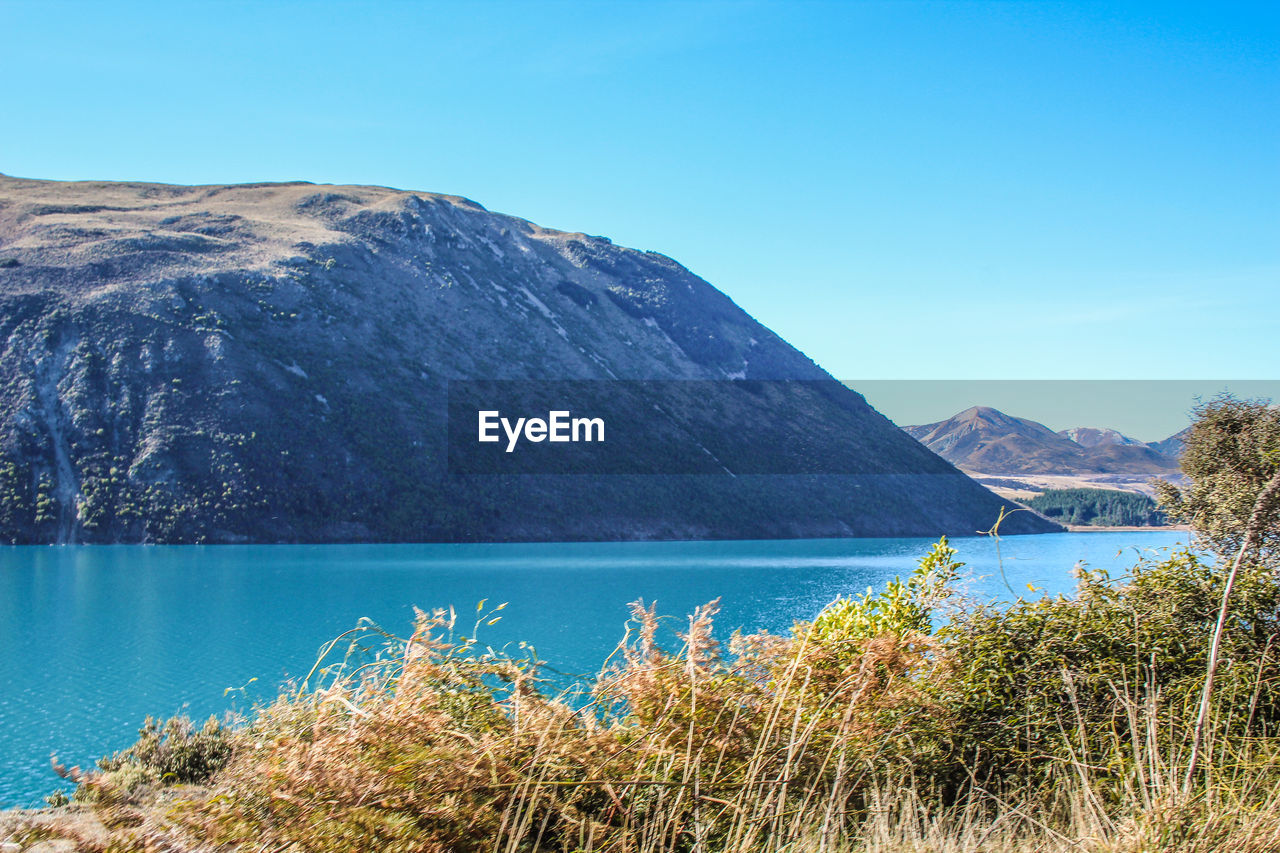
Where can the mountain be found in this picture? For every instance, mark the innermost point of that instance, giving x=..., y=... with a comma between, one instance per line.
x=274, y=363
x=991, y=445
x=986, y=439
x=1173, y=445
x=1094, y=437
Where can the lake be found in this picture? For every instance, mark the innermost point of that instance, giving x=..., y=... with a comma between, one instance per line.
x=95, y=638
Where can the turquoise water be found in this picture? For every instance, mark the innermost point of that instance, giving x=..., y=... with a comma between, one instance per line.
x=95, y=638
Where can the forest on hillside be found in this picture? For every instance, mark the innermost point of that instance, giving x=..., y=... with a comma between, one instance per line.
x=1097, y=507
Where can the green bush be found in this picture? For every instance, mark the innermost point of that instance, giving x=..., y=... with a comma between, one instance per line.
x=902, y=608
x=172, y=752
x=1040, y=685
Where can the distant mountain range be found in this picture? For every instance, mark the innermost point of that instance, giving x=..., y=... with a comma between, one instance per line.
x=1017, y=454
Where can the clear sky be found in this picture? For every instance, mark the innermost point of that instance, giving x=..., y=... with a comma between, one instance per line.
x=919, y=190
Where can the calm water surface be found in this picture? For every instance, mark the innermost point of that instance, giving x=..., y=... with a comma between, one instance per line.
x=95, y=638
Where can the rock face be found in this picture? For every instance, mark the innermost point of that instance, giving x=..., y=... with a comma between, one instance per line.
x=269, y=363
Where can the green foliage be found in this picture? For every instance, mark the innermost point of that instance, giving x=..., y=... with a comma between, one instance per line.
x=174, y=752
x=16, y=499
x=1040, y=684
x=1231, y=452
x=45, y=508
x=903, y=608
x=26, y=501
x=1100, y=507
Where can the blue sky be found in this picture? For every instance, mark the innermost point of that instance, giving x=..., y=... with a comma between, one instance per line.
x=903, y=190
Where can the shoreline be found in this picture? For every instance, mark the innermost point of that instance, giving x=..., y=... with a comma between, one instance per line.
x=1132, y=528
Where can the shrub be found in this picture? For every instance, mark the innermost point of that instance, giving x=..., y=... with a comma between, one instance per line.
x=901, y=610
x=166, y=753
x=1040, y=686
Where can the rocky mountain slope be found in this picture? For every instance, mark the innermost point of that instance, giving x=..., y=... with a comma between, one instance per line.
x=271, y=363
x=1008, y=451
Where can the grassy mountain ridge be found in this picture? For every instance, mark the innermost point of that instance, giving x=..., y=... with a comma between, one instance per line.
x=269, y=362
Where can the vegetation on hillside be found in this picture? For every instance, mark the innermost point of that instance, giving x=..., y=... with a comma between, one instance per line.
x=904, y=721
x=1098, y=507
